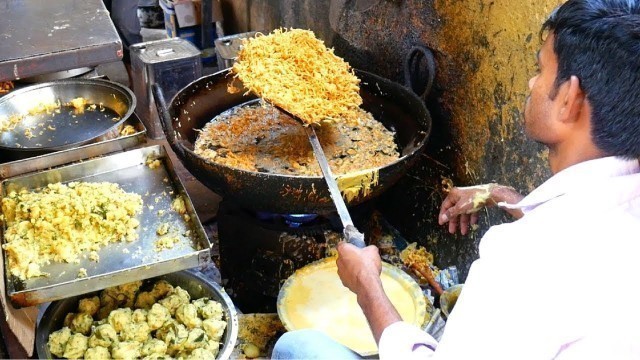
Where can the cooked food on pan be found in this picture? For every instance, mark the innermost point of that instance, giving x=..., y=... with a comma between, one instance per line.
x=59, y=222
x=126, y=323
x=9, y=123
x=261, y=138
x=5, y=87
x=76, y=106
x=296, y=71
x=127, y=130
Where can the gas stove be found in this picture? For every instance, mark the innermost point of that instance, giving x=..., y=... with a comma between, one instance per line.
x=260, y=250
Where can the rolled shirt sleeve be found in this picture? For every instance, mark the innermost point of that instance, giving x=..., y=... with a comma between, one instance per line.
x=401, y=340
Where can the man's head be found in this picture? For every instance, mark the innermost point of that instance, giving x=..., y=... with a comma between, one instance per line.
x=590, y=68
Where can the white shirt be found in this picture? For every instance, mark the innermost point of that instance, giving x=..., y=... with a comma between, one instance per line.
x=563, y=282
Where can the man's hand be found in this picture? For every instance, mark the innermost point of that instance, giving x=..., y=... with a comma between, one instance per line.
x=460, y=208
x=358, y=268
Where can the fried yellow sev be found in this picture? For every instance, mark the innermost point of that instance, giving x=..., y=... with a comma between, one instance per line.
x=297, y=72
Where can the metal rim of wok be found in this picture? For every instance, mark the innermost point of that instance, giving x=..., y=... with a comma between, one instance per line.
x=196, y=284
x=394, y=105
x=95, y=90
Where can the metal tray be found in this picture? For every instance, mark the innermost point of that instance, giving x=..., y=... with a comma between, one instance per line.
x=119, y=262
x=109, y=143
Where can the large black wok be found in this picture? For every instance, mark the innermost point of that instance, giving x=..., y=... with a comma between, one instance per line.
x=397, y=107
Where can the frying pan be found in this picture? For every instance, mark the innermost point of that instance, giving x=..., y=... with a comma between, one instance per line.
x=397, y=107
x=43, y=132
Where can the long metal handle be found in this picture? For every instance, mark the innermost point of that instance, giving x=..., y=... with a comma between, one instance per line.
x=351, y=234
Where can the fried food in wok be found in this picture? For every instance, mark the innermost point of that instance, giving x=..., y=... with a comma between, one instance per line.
x=261, y=138
x=296, y=71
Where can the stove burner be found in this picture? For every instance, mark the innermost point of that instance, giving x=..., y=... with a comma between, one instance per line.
x=260, y=250
x=295, y=220
x=292, y=220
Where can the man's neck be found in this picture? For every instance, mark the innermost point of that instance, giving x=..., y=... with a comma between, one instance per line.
x=564, y=156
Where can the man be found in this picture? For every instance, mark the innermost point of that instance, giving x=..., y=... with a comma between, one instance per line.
x=560, y=282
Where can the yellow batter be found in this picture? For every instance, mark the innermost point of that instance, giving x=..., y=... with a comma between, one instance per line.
x=314, y=297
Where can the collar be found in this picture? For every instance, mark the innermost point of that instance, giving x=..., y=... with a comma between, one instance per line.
x=578, y=176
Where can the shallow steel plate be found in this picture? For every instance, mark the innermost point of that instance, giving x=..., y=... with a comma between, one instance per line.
x=119, y=262
x=65, y=127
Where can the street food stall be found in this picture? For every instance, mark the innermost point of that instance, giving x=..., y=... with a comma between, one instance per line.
x=101, y=156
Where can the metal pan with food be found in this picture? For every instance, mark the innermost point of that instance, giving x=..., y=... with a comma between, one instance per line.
x=180, y=314
x=391, y=104
x=61, y=115
x=98, y=223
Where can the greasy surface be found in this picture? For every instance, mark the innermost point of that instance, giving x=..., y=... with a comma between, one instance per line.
x=485, y=54
x=261, y=138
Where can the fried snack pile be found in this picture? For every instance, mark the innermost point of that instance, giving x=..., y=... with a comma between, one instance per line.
x=296, y=71
x=5, y=87
x=125, y=323
x=60, y=222
x=420, y=261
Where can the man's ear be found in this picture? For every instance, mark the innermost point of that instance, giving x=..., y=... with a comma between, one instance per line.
x=572, y=100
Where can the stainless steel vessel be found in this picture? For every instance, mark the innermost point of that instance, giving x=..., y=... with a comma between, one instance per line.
x=43, y=131
x=195, y=283
x=123, y=261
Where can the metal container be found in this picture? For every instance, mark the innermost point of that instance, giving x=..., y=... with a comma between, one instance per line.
x=314, y=297
x=196, y=284
x=40, y=132
x=109, y=143
x=124, y=261
x=227, y=48
x=170, y=63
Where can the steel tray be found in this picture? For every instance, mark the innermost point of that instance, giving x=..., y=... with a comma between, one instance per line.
x=109, y=143
x=119, y=262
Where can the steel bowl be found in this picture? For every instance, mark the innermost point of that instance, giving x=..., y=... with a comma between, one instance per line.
x=43, y=133
x=51, y=318
x=449, y=298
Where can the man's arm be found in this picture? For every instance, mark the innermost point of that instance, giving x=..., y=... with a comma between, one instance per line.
x=460, y=207
x=359, y=270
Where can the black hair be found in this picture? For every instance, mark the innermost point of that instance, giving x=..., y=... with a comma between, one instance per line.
x=599, y=42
